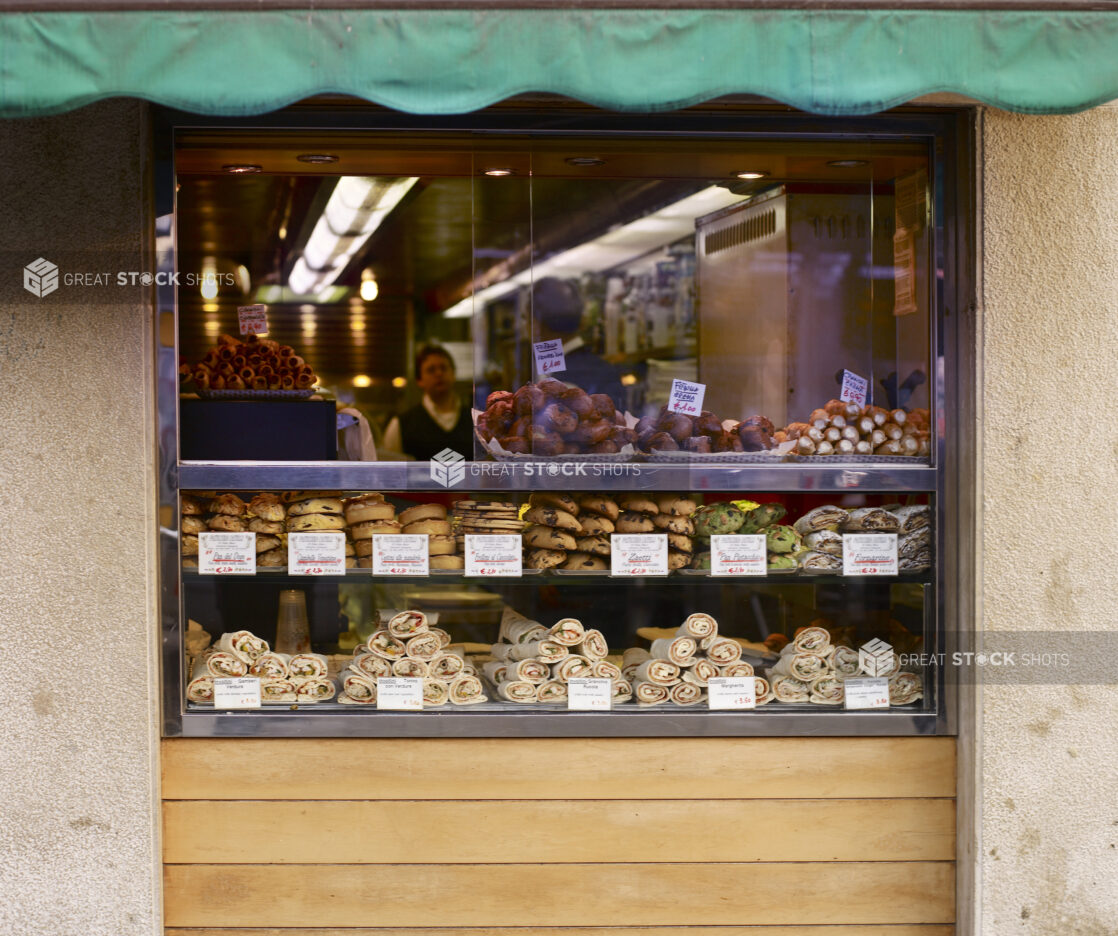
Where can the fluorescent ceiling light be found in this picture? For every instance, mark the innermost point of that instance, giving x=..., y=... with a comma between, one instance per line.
x=356, y=208
x=621, y=245
x=278, y=295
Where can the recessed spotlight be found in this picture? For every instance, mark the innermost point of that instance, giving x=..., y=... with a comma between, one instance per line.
x=242, y=169
x=317, y=159
x=584, y=161
x=847, y=163
x=751, y=174
x=497, y=172
x=362, y=380
x=399, y=382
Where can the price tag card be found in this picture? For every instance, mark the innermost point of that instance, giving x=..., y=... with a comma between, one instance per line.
x=589, y=695
x=638, y=554
x=494, y=556
x=687, y=397
x=316, y=553
x=732, y=692
x=253, y=319
x=862, y=693
x=242, y=693
x=869, y=554
x=399, y=694
x=549, y=356
x=401, y=554
x=854, y=388
x=738, y=555
x=226, y=553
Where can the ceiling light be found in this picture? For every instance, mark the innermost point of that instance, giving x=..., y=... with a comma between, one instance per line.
x=212, y=326
x=628, y=380
x=244, y=169
x=283, y=232
x=362, y=380
x=751, y=174
x=356, y=208
x=317, y=159
x=369, y=289
x=399, y=382
x=615, y=247
x=497, y=172
x=848, y=163
x=357, y=323
x=308, y=325
x=210, y=307
x=584, y=161
x=208, y=289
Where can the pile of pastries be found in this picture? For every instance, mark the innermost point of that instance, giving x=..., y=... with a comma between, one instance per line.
x=284, y=678
x=369, y=514
x=782, y=542
x=551, y=418
x=253, y=363
x=841, y=428
x=822, y=530
x=669, y=431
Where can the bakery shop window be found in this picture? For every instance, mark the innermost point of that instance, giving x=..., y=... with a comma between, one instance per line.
x=682, y=446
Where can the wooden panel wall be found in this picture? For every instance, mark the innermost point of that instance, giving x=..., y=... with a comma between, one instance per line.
x=563, y=837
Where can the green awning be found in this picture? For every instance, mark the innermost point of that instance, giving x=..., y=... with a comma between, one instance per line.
x=453, y=61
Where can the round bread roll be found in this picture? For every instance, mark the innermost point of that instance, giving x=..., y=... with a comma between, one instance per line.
x=227, y=524
x=676, y=506
x=544, y=558
x=227, y=504
x=256, y=525
x=331, y=506
x=447, y=562
x=602, y=506
x=595, y=545
x=290, y=497
x=192, y=524
x=583, y=562
x=267, y=506
x=350, y=562
x=681, y=543
x=549, y=516
x=545, y=537
x=678, y=560
x=364, y=531
x=422, y=512
x=430, y=526
x=441, y=545
x=364, y=509
x=365, y=562
x=638, y=503
x=350, y=550
x=682, y=525
x=592, y=524
x=192, y=506
x=272, y=558
x=190, y=545
x=264, y=543
x=635, y=523
x=363, y=547
x=556, y=500
x=311, y=522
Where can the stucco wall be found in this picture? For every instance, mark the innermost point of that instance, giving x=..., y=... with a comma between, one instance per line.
x=1049, y=755
x=79, y=827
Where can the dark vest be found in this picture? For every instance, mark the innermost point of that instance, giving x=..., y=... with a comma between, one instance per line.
x=422, y=437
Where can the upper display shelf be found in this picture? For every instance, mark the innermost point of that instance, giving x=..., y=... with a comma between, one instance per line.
x=552, y=474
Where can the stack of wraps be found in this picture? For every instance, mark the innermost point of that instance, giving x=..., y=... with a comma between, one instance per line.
x=284, y=678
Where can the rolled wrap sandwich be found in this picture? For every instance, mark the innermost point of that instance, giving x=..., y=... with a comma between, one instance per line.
x=243, y=644
x=435, y=692
x=466, y=690
x=270, y=666
x=277, y=691
x=741, y=668
x=680, y=650
x=845, y=662
x=200, y=690
x=496, y=671
x=703, y=671
x=534, y=671
x=827, y=690
x=384, y=645
x=315, y=689
x=802, y=666
x=551, y=691
x=526, y=632
x=685, y=693
x=622, y=691
x=647, y=693
x=905, y=688
x=407, y=624
x=409, y=668
x=790, y=689
x=424, y=647
x=812, y=640
x=603, y=669
x=547, y=650
x=699, y=626
x=593, y=645
x=517, y=690
x=308, y=666
x=447, y=666
x=372, y=666
x=359, y=687
x=221, y=665
x=571, y=667
x=723, y=650
x=660, y=672
x=631, y=659
x=569, y=632
x=762, y=690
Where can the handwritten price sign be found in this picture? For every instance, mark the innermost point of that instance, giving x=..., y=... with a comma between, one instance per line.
x=494, y=556
x=638, y=554
x=226, y=553
x=869, y=554
x=316, y=553
x=401, y=554
x=549, y=357
x=854, y=388
x=738, y=555
x=253, y=319
x=687, y=397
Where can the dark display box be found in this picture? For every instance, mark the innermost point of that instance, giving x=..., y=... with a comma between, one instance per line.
x=257, y=430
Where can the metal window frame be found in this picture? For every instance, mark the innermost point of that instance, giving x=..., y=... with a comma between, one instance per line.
x=950, y=136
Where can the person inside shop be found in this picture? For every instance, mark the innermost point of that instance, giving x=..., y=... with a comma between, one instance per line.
x=557, y=311
x=440, y=420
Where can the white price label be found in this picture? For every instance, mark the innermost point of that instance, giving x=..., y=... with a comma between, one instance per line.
x=549, y=356
x=316, y=553
x=399, y=694
x=401, y=554
x=253, y=319
x=732, y=692
x=494, y=556
x=241, y=693
x=687, y=397
x=634, y=554
x=589, y=695
x=226, y=553
x=854, y=388
x=738, y=555
x=866, y=693
x=869, y=554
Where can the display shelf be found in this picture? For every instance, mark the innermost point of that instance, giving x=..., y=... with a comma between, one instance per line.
x=566, y=475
